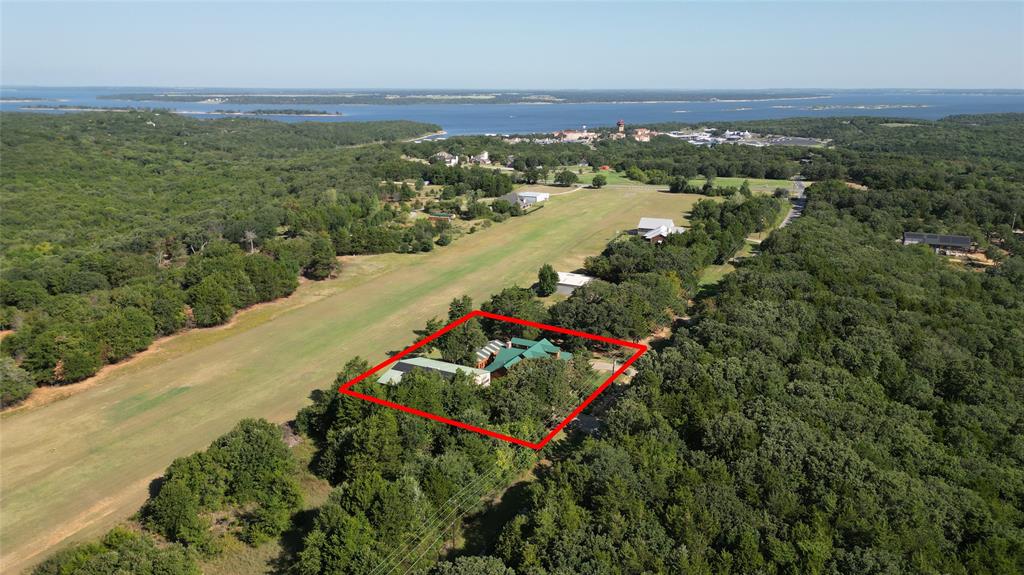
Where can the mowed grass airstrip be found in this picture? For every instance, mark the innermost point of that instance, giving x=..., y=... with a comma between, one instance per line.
x=75, y=467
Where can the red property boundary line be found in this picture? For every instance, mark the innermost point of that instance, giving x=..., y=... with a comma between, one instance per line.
x=640, y=350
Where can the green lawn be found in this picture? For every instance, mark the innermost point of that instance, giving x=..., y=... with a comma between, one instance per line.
x=74, y=468
x=714, y=273
x=613, y=177
x=757, y=185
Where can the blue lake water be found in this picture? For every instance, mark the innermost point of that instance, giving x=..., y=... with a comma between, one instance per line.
x=479, y=118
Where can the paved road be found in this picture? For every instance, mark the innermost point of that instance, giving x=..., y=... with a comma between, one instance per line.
x=798, y=204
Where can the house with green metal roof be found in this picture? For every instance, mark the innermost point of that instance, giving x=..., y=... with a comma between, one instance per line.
x=519, y=349
x=447, y=370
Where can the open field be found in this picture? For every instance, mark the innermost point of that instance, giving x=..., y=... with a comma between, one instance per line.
x=613, y=177
x=716, y=272
x=77, y=466
x=757, y=185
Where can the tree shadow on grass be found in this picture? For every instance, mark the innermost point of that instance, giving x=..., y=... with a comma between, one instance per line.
x=155, y=486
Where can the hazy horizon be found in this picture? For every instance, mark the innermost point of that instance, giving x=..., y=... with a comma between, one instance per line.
x=476, y=46
x=510, y=88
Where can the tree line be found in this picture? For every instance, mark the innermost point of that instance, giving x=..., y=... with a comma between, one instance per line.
x=153, y=223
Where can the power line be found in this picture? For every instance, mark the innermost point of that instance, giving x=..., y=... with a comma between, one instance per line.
x=449, y=516
x=429, y=522
x=412, y=565
x=440, y=516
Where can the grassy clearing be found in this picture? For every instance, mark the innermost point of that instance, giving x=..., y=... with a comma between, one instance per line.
x=714, y=273
x=74, y=468
x=614, y=178
x=757, y=185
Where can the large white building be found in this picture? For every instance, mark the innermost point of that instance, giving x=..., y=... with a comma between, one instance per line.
x=568, y=282
x=657, y=229
x=526, y=199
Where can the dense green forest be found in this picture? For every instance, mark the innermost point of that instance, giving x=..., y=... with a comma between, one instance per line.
x=839, y=404
x=842, y=404
x=119, y=228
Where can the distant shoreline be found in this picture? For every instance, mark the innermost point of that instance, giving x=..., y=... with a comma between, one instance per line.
x=401, y=98
x=290, y=113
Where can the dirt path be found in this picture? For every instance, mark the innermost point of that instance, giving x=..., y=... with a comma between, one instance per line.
x=576, y=189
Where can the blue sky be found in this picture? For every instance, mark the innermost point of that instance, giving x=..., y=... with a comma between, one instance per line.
x=687, y=45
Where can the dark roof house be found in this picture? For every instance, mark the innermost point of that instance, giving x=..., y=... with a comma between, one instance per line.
x=938, y=241
x=447, y=370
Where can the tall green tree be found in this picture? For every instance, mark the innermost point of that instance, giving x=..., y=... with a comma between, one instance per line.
x=547, y=280
x=566, y=178
x=211, y=301
x=322, y=262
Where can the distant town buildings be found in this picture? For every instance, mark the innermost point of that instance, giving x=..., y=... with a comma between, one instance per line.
x=576, y=135
x=711, y=137
x=643, y=134
x=620, y=132
x=445, y=158
x=697, y=137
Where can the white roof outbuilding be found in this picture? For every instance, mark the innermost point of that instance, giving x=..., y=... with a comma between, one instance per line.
x=647, y=224
x=574, y=280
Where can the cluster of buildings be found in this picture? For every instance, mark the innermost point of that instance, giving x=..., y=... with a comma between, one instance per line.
x=638, y=134
x=492, y=360
x=698, y=137
x=585, y=136
x=708, y=137
x=711, y=137
x=450, y=160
